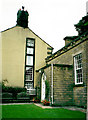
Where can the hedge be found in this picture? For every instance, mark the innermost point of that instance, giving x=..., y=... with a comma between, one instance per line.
x=13, y=90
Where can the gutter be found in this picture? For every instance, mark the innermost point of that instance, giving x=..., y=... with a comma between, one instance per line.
x=68, y=46
x=57, y=65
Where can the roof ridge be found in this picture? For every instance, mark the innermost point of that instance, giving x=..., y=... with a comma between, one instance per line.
x=30, y=30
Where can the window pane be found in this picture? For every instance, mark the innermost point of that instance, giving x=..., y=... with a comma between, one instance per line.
x=29, y=70
x=29, y=60
x=30, y=43
x=79, y=75
x=29, y=50
x=78, y=61
x=29, y=85
x=78, y=69
x=29, y=74
x=29, y=77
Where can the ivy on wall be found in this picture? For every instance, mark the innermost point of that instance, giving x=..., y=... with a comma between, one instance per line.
x=47, y=88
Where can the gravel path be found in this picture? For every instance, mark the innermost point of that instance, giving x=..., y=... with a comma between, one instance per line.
x=69, y=107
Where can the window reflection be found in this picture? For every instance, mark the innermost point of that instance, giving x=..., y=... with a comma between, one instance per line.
x=29, y=60
x=29, y=74
x=29, y=50
x=30, y=43
x=29, y=85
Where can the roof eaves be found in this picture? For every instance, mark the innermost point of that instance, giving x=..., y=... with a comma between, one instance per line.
x=8, y=29
x=43, y=67
x=63, y=65
x=57, y=65
x=58, y=53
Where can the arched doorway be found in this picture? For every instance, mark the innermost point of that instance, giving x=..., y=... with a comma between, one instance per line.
x=43, y=87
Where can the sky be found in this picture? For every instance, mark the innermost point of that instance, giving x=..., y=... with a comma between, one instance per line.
x=52, y=20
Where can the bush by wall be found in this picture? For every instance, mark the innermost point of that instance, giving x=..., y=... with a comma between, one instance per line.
x=13, y=90
x=47, y=89
x=23, y=95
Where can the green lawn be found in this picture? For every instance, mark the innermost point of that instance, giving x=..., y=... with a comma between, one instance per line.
x=33, y=111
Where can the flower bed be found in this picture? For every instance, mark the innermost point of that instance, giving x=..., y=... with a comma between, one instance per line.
x=45, y=102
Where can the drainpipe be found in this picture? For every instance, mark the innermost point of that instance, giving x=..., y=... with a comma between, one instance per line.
x=52, y=82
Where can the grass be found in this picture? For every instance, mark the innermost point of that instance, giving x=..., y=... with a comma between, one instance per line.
x=33, y=111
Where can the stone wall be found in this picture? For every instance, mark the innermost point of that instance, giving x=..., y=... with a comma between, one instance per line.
x=63, y=85
x=48, y=78
x=79, y=91
x=65, y=92
x=79, y=95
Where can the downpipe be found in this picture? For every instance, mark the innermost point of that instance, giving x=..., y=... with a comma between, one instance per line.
x=52, y=83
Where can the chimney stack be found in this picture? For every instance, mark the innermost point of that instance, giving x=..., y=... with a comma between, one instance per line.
x=22, y=18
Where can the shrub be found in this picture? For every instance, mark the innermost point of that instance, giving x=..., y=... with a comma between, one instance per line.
x=46, y=102
x=36, y=100
x=23, y=97
x=38, y=90
x=7, y=95
x=23, y=94
x=13, y=90
x=47, y=88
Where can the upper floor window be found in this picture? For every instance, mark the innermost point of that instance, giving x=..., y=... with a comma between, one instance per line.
x=78, y=69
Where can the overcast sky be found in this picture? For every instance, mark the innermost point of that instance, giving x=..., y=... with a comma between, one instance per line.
x=52, y=20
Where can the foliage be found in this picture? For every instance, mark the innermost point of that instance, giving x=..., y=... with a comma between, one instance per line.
x=47, y=88
x=21, y=97
x=46, y=102
x=36, y=100
x=38, y=97
x=13, y=90
x=4, y=82
x=82, y=25
x=38, y=89
x=22, y=94
x=6, y=95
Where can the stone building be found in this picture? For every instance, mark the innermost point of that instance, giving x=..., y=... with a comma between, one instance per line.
x=67, y=70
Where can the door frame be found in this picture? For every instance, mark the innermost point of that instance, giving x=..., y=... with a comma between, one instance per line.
x=43, y=87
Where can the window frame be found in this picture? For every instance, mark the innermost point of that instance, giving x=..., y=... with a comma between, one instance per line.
x=28, y=74
x=76, y=69
x=32, y=54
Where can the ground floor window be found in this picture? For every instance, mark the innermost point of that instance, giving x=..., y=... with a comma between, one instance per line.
x=78, y=69
x=29, y=85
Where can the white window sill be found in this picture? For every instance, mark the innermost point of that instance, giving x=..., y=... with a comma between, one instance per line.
x=79, y=83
